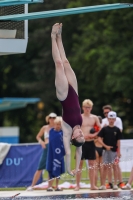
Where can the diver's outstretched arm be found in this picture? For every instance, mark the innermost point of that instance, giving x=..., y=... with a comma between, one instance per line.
x=78, y=158
x=67, y=132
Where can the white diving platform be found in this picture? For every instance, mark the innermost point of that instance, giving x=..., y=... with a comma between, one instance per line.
x=13, y=35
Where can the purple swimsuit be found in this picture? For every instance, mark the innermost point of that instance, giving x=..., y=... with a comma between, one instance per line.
x=71, y=108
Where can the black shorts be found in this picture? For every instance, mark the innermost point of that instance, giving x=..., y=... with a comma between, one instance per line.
x=99, y=151
x=88, y=151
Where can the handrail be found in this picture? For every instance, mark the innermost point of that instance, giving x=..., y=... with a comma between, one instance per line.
x=64, y=12
x=18, y=2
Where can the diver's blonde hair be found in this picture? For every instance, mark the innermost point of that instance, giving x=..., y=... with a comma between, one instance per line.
x=87, y=102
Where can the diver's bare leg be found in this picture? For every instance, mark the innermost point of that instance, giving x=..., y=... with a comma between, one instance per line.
x=61, y=82
x=68, y=70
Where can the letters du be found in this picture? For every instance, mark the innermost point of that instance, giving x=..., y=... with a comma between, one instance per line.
x=13, y=161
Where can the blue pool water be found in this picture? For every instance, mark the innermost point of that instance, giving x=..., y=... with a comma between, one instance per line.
x=120, y=195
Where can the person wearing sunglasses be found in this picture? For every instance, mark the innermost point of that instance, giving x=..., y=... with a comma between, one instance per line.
x=67, y=94
x=44, y=132
x=106, y=110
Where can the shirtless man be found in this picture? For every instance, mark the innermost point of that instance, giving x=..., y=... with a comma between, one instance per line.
x=88, y=148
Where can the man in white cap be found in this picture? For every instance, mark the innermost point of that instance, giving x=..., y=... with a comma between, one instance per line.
x=118, y=123
x=109, y=136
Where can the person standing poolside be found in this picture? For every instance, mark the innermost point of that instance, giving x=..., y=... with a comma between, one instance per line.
x=88, y=148
x=67, y=94
x=55, y=158
x=109, y=136
x=118, y=123
x=44, y=131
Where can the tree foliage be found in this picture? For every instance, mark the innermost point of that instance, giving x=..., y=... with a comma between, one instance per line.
x=102, y=57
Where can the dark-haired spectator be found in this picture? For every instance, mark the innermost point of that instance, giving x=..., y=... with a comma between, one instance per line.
x=118, y=122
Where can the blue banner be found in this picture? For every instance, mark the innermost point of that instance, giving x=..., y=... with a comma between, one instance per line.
x=19, y=166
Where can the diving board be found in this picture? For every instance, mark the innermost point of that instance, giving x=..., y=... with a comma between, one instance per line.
x=15, y=103
x=64, y=12
x=18, y=2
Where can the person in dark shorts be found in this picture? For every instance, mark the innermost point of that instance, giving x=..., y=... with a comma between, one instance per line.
x=67, y=94
x=88, y=148
x=88, y=151
x=109, y=136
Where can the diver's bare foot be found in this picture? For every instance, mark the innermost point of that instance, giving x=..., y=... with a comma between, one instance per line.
x=55, y=30
x=59, y=30
x=94, y=188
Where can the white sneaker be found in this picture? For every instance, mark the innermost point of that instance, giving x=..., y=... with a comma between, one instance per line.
x=115, y=187
x=102, y=187
x=30, y=188
x=126, y=187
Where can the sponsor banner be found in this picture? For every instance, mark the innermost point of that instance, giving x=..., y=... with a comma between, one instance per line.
x=126, y=161
x=21, y=162
x=19, y=166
